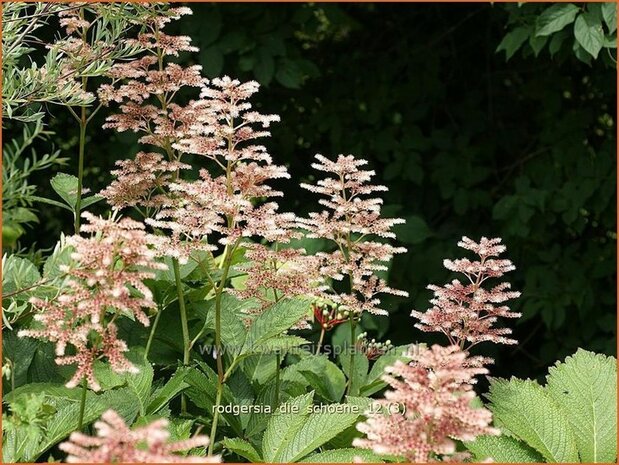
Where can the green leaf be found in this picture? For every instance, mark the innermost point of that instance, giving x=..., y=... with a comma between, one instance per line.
x=264, y=69
x=589, y=33
x=140, y=383
x=513, y=40
x=17, y=274
x=283, y=426
x=232, y=327
x=88, y=201
x=274, y=321
x=537, y=43
x=321, y=374
x=212, y=60
x=243, y=448
x=609, y=13
x=291, y=435
x=343, y=456
x=60, y=257
x=502, y=449
x=373, y=382
x=585, y=386
x=555, y=18
x=65, y=186
x=289, y=74
x=168, y=391
x=319, y=428
x=66, y=419
x=525, y=409
x=281, y=344
x=414, y=231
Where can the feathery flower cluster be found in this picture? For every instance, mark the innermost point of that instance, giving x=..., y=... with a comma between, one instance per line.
x=108, y=278
x=466, y=312
x=116, y=443
x=219, y=126
x=349, y=220
x=273, y=274
x=434, y=392
x=138, y=181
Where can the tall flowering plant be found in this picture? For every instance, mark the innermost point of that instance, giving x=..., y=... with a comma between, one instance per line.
x=213, y=254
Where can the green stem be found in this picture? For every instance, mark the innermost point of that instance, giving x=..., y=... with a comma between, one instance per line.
x=151, y=336
x=80, y=169
x=278, y=361
x=220, y=389
x=221, y=375
x=185, y=327
x=351, y=368
x=80, y=420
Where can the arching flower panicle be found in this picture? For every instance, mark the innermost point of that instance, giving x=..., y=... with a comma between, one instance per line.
x=466, y=312
x=353, y=221
x=111, y=265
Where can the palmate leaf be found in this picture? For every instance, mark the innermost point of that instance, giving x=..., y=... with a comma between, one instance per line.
x=503, y=449
x=585, y=387
x=526, y=410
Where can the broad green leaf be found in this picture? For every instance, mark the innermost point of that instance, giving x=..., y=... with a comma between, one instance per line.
x=160, y=397
x=243, y=448
x=259, y=368
x=585, y=386
x=503, y=449
x=203, y=393
x=280, y=344
x=318, y=428
x=90, y=200
x=264, y=67
x=343, y=456
x=555, y=18
x=274, y=321
x=20, y=351
x=589, y=33
x=513, y=40
x=609, y=13
x=373, y=382
x=66, y=419
x=17, y=274
x=537, y=43
x=141, y=383
x=525, y=409
x=232, y=327
x=289, y=74
x=283, y=427
x=60, y=257
x=321, y=374
x=414, y=231
x=66, y=185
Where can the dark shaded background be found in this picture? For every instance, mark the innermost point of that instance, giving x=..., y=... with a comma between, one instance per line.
x=468, y=143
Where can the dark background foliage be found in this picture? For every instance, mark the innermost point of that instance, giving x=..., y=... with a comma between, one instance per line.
x=467, y=142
